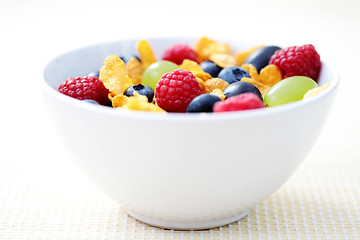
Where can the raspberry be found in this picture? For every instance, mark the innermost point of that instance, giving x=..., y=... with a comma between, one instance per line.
x=85, y=88
x=239, y=102
x=298, y=61
x=176, y=90
x=178, y=53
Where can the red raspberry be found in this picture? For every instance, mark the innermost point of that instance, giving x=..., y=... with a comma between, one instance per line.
x=298, y=61
x=85, y=88
x=178, y=53
x=176, y=90
x=239, y=102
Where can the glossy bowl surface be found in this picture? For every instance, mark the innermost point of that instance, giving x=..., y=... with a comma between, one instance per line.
x=183, y=171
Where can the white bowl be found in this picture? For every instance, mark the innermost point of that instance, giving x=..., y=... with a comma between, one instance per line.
x=183, y=171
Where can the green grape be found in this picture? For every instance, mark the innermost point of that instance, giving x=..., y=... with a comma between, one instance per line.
x=289, y=90
x=155, y=71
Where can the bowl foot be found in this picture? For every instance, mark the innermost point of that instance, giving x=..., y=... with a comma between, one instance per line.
x=194, y=225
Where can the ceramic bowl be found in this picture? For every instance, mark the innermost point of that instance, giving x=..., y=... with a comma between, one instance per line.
x=183, y=171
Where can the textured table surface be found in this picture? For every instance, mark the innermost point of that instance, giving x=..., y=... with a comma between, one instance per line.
x=43, y=195
x=321, y=201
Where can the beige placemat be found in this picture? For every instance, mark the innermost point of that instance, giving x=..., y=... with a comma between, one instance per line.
x=51, y=200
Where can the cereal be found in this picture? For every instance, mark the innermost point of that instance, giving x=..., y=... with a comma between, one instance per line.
x=252, y=71
x=242, y=56
x=146, y=54
x=262, y=87
x=205, y=47
x=315, y=91
x=118, y=100
x=223, y=60
x=215, y=83
x=195, y=68
x=134, y=70
x=270, y=75
x=191, y=66
x=219, y=93
x=113, y=75
x=203, y=76
x=202, y=85
x=140, y=103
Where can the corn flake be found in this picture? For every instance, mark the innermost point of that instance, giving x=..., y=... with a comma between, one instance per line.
x=262, y=87
x=219, y=93
x=191, y=66
x=215, y=83
x=242, y=56
x=195, y=68
x=113, y=75
x=202, y=85
x=203, y=76
x=223, y=60
x=134, y=70
x=205, y=47
x=140, y=103
x=314, y=91
x=270, y=75
x=252, y=71
x=146, y=54
x=119, y=100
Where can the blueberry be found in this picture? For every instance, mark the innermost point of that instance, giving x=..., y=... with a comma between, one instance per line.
x=94, y=74
x=239, y=88
x=127, y=57
x=261, y=57
x=211, y=68
x=233, y=74
x=140, y=89
x=203, y=103
x=91, y=101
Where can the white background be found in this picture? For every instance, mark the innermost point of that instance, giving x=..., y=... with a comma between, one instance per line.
x=33, y=32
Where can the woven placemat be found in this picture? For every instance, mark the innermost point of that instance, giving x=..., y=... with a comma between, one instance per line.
x=52, y=200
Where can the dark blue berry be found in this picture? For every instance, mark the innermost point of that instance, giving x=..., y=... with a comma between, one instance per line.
x=260, y=58
x=140, y=89
x=203, y=103
x=233, y=74
x=239, y=88
x=94, y=74
x=127, y=57
x=210, y=67
x=91, y=101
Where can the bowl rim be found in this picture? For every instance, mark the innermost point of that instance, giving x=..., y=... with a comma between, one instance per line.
x=253, y=113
